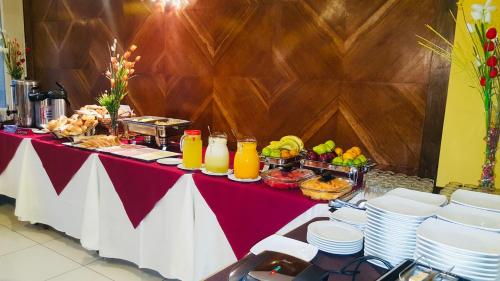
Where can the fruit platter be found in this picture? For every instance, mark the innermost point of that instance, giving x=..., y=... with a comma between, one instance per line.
x=328, y=156
x=285, y=178
x=288, y=151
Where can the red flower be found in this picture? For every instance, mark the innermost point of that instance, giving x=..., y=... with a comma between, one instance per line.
x=28, y=50
x=19, y=53
x=491, y=33
x=492, y=61
x=23, y=60
x=483, y=81
x=18, y=63
x=493, y=72
x=489, y=46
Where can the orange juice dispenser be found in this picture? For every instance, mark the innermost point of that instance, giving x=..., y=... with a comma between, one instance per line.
x=191, y=146
x=246, y=160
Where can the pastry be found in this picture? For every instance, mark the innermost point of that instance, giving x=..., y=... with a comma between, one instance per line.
x=100, y=141
x=320, y=188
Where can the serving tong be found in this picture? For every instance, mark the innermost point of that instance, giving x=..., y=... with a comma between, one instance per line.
x=433, y=274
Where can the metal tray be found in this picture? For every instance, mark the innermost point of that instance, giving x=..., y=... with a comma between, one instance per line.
x=281, y=161
x=151, y=128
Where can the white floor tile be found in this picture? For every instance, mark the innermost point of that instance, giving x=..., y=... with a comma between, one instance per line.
x=11, y=241
x=81, y=274
x=72, y=249
x=34, y=264
x=123, y=271
x=36, y=232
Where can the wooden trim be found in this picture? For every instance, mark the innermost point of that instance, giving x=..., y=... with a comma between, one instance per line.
x=28, y=39
x=436, y=97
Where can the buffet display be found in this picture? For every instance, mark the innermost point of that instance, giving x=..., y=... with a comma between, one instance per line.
x=325, y=172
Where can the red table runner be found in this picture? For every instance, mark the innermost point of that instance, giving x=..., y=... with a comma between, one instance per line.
x=9, y=143
x=59, y=161
x=249, y=212
x=139, y=185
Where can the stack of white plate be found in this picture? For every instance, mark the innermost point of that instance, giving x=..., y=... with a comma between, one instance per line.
x=424, y=197
x=471, y=253
x=354, y=217
x=390, y=233
x=335, y=237
x=471, y=217
x=479, y=200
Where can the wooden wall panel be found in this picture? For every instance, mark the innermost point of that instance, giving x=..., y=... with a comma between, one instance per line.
x=341, y=69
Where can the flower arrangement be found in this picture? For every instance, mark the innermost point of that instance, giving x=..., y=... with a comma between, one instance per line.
x=482, y=67
x=120, y=71
x=14, y=56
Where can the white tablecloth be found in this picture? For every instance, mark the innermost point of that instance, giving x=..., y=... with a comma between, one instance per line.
x=180, y=238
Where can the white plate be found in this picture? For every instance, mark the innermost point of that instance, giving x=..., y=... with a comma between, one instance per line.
x=452, y=253
x=170, y=161
x=287, y=246
x=477, y=200
x=335, y=231
x=402, y=207
x=350, y=216
x=204, y=171
x=460, y=237
x=233, y=178
x=488, y=266
x=318, y=241
x=40, y=131
x=470, y=216
x=181, y=166
x=424, y=197
x=458, y=269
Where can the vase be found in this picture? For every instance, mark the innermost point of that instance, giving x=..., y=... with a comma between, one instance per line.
x=113, y=127
x=487, y=180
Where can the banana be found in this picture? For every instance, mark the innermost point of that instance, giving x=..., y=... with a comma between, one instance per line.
x=296, y=139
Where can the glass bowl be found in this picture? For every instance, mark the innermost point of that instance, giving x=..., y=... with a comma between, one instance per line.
x=282, y=179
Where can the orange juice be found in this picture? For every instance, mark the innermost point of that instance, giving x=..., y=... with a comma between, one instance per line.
x=246, y=160
x=191, y=146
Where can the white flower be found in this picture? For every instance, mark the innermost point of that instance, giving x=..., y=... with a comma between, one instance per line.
x=471, y=28
x=477, y=62
x=482, y=12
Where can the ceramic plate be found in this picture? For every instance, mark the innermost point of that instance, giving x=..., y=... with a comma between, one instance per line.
x=470, y=216
x=287, y=246
x=204, y=171
x=477, y=200
x=424, y=197
x=170, y=161
x=350, y=216
x=460, y=237
x=398, y=206
x=180, y=166
x=335, y=231
x=233, y=178
x=40, y=131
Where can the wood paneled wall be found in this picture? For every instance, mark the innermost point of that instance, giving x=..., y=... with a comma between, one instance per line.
x=349, y=70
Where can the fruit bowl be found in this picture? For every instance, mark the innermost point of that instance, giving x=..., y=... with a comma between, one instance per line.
x=282, y=179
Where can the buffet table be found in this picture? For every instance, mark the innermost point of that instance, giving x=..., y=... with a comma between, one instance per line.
x=183, y=225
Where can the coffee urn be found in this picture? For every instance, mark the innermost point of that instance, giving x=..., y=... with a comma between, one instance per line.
x=41, y=107
x=58, y=100
x=24, y=109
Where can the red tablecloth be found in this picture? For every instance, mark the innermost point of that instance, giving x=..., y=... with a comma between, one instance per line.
x=139, y=185
x=9, y=143
x=249, y=212
x=59, y=161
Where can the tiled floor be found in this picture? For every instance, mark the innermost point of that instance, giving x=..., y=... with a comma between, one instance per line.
x=36, y=253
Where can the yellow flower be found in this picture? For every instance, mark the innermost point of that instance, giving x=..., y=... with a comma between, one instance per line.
x=133, y=48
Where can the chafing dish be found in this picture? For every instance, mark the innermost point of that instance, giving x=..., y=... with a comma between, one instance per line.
x=354, y=173
x=156, y=130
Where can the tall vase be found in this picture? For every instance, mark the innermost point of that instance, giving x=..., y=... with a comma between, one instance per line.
x=487, y=180
x=113, y=129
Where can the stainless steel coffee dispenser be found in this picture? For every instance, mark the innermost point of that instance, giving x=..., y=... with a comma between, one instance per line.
x=24, y=110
